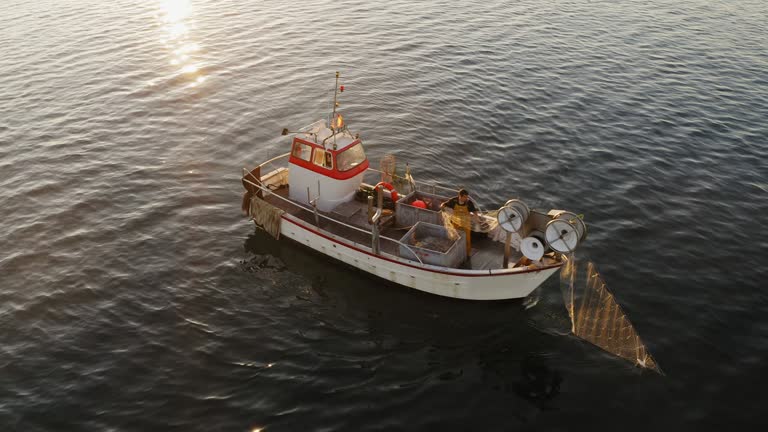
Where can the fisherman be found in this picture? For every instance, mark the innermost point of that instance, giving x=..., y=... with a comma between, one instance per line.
x=463, y=210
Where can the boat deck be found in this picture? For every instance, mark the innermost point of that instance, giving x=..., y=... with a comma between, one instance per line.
x=486, y=254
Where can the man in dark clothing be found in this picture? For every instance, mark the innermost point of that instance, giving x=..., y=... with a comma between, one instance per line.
x=463, y=210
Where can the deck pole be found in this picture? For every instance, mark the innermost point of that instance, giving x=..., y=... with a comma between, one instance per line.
x=507, y=244
x=313, y=203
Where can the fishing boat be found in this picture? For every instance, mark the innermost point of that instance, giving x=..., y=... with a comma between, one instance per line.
x=325, y=195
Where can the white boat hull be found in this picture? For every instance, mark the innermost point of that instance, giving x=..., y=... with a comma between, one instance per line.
x=497, y=284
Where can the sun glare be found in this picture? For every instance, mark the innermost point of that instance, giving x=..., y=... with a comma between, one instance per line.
x=177, y=20
x=176, y=10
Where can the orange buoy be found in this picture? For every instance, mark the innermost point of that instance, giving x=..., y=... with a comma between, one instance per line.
x=390, y=188
x=419, y=204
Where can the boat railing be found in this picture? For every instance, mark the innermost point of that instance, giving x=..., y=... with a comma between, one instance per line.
x=335, y=221
x=274, y=159
x=314, y=125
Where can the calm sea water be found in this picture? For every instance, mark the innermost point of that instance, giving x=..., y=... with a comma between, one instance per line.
x=135, y=297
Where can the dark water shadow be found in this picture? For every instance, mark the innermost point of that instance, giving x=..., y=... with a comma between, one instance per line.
x=492, y=345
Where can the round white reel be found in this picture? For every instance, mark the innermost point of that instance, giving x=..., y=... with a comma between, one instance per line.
x=576, y=221
x=532, y=248
x=513, y=215
x=562, y=236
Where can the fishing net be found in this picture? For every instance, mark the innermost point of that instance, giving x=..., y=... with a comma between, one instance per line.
x=487, y=223
x=387, y=166
x=266, y=216
x=452, y=233
x=596, y=316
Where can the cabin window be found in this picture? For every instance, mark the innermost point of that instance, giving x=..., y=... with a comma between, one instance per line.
x=350, y=157
x=322, y=158
x=302, y=151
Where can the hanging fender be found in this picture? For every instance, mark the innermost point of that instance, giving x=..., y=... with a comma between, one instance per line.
x=390, y=188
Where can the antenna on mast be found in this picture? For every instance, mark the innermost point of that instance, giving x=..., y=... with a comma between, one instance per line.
x=337, y=120
x=335, y=93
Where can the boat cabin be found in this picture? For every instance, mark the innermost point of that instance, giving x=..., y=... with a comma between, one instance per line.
x=326, y=166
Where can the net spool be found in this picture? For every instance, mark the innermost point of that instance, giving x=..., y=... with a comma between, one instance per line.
x=513, y=215
x=576, y=221
x=532, y=248
x=538, y=235
x=564, y=235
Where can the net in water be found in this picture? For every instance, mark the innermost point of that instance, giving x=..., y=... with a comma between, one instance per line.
x=596, y=316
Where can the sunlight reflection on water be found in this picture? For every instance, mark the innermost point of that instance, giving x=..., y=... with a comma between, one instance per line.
x=175, y=17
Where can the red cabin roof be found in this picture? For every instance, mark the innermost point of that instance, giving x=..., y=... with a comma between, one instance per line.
x=340, y=164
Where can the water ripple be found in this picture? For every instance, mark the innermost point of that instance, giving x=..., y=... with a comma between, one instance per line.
x=134, y=296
